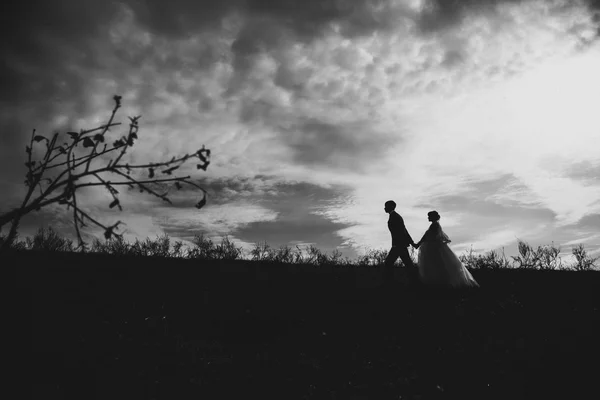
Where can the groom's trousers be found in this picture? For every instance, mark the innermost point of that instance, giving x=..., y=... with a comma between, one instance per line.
x=411, y=268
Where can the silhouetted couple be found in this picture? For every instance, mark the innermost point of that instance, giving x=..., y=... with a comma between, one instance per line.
x=437, y=264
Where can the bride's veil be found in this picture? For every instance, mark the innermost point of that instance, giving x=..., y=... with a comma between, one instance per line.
x=441, y=235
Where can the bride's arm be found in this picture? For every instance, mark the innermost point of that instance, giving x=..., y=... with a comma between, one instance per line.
x=424, y=237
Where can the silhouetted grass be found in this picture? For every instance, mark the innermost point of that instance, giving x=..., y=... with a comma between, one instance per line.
x=203, y=248
x=212, y=325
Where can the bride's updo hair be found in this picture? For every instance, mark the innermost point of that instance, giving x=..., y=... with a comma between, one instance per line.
x=434, y=215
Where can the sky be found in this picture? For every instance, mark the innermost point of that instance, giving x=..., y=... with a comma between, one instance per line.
x=317, y=112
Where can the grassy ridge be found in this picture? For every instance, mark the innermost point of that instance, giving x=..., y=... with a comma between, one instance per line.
x=203, y=248
x=130, y=327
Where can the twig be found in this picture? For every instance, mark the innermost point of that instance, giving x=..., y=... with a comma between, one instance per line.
x=66, y=181
x=112, y=116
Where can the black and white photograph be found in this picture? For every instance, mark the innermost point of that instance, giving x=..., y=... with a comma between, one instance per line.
x=302, y=199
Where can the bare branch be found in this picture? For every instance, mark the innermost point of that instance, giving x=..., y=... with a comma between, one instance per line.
x=112, y=191
x=62, y=189
x=85, y=158
x=124, y=142
x=100, y=137
x=105, y=127
x=108, y=230
x=76, y=219
x=142, y=186
x=135, y=182
x=158, y=164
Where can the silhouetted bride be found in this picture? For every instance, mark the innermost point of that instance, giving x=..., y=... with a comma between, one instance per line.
x=437, y=263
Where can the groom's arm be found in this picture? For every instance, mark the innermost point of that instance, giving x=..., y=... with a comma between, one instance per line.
x=405, y=231
x=411, y=241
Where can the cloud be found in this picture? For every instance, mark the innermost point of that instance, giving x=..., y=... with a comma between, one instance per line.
x=248, y=211
x=587, y=172
x=264, y=25
x=590, y=238
x=316, y=143
x=40, y=39
x=485, y=241
x=214, y=220
x=455, y=106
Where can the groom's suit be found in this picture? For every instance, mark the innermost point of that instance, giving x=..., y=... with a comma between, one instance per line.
x=400, y=241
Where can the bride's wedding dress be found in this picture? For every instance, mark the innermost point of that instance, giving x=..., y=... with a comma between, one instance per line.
x=438, y=264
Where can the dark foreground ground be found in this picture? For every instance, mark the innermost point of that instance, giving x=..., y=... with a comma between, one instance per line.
x=107, y=328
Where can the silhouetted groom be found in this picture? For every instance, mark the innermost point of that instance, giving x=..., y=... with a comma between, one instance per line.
x=400, y=241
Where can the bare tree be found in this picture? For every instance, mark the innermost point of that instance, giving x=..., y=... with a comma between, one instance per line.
x=63, y=169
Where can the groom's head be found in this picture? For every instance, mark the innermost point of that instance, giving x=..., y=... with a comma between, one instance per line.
x=390, y=206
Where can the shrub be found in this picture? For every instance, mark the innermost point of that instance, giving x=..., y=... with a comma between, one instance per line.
x=544, y=257
x=114, y=245
x=528, y=258
x=46, y=239
x=491, y=260
x=372, y=257
x=285, y=254
x=583, y=261
x=161, y=247
x=549, y=258
x=261, y=252
x=227, y=250
x=203, y=248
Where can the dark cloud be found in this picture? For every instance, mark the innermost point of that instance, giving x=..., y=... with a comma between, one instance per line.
x=585, y=171
x=257, y=110
x=305, y=19
x=479, y=208
x=440, y=15
x=29, y=30
x=338, y=146
x=477, y=198
x=176, y=19
x=595, y=6
x=295, y=202
x=40, y=41
x=452, y=58
x=270, y=25
x=225, y=190
x=267, y=188
x=40, y=38
x=589, y=221
x=314, y=142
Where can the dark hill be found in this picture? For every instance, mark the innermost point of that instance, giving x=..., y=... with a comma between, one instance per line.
x=111, y=327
